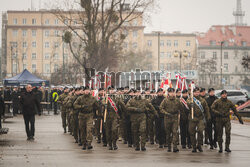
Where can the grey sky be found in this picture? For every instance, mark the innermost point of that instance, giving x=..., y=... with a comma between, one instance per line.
x=172, y=15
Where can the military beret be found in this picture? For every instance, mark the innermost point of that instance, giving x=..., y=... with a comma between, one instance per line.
x=196, y=89
x=202, y=90
x=210, y=89
x=160, y=90
x=185, y=91
x=170, y=89
x=147, y=89
x=223, y=92
x=178, y=90
x=101, y=89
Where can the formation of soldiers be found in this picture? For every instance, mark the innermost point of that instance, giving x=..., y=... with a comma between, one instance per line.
x=168, y=119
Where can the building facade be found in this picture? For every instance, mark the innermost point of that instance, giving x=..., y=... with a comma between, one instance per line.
x=33, y=40
x=220, y=53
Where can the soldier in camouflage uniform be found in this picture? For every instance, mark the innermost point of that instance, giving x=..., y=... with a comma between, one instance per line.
x=69, y=110
x=111, y=125
x=197, y=124
x=86, y=104
x=171, y=108
x=150, y=119
x=137, y=107
x=63, y=109
x=221, y=107
x=74, y=114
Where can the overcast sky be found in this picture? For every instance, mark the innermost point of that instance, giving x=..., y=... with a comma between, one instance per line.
x=171, y=15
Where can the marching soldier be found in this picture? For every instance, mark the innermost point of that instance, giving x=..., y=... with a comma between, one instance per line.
x=137, y=107
x=150, y=119
x=197, y=123
x=63, y=108
x=86, y=104
x=69, y=110
x=185, y=137
x=171, y=107
x=221, y=108
x=211, y=125
x=159, y=123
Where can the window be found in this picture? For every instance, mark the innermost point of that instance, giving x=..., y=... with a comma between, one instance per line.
x=56, y=33
x=188, y=43
x=33, y=56
x=161, y=43
x=56, y=21
x=189, y=55
x=55, y=67
x=14, y=67
x=56, y=57
x=135, y=22
x=24, y=56
x=34, y=44
x=33, y=21
x=162, y=66
x=24, y=21
x=134, y=45
x=168, y=43
x=14, y=33
x=24, y=44
x=24, y=33
x=188, y=66
x=14, y=55
x=46, y=68
x=226, y=67
x=24, y=66
x=33, y=66
x=134, y=33
x=243, y=43
x=168, y=54
x=14, y=44
x=56, y=44
x=46, y=56
x=46, y=33
x=46, y=44
x=14, y=21
x=149, y=42
x=203, y=55
x=47, y=21
x=214, y=55
x=162, y=55
x=225, y=55
x=33, y=33
x=65, y=21
x=175, y=43
x=168, y=66
x=212, y=42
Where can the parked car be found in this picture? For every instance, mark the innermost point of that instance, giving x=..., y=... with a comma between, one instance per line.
x=236, y=96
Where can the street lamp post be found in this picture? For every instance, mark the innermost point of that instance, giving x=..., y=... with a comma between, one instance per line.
x=159, y=41
x=180, y=54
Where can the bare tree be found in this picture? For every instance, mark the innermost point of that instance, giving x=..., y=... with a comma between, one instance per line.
x=99, y=25
x=246, y=62
x=207, y=69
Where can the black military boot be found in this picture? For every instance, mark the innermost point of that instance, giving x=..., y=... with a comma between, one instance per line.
x=90, y=147
x=161, y=146
x=137, y=148
x=189, y=146
x=129, y=145
x=84, y=147
x=169, y=148
x=194, y=149
x=115, y=146
x=221, y=149
x=227, y=149
x=143, y=148
x=104, y=144
x=184, y=146
x=200, y=149
x=175, y=150
x=215, y=145
x=211, y=146
x=125, y=142
x=64, y=130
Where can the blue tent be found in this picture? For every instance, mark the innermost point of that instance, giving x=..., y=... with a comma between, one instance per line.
x=25, y=78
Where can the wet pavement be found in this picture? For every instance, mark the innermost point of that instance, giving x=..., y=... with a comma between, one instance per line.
x=54, y=148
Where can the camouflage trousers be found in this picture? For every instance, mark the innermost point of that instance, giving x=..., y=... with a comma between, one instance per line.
x=138, y=126
x=111, y=127
x=196, y=126
x=171, y=127
x=86, y=126
x=220, y=124
x=150, y=128
x=75, y=125
x=69, y=120
x=64, y=118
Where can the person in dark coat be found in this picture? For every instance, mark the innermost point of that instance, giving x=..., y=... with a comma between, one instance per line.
x=29, y=103
x=1, y=110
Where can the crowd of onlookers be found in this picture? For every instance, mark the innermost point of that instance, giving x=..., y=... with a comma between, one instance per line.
x=10, y=99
